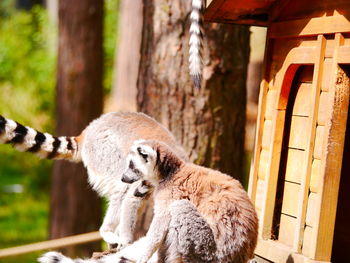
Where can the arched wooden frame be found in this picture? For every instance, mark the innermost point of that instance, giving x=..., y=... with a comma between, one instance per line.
x=320, y=246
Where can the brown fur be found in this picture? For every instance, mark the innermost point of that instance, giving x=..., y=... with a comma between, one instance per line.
x=219, y=198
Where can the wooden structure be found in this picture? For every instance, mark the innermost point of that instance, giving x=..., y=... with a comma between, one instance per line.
x=300, y=171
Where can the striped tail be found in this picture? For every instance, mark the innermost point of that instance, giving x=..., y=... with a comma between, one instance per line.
x=196, y=43
x=42, y=144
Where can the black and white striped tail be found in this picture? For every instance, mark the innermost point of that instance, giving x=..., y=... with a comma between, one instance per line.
x=196, y=42
x=42, y=144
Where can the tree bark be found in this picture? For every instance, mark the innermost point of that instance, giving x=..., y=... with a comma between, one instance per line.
x=208, y=122
x=75, y=208
x=128, y=56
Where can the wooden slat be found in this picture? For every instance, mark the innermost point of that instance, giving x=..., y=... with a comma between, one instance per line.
x=302, y=106
x=298, y=132
x=324, y=109
x=309, y=27
x=310, y=135
x=272, y=176
x=270, y=104
x=327, y=67
x=344, y=55
x=287, y=230
x=320, y=137
x=290, y=199
x=259, y=200
x=306, y=250
x=315, y=175
x=267, y=135
x=254, y=166
x=277, y=252
x=295, y=164
x=263, y=164
x=51, y=244
x=332, y=161
x=311, y=214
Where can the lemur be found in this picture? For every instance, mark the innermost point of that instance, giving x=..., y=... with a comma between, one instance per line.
x=230, y=223
x=102, y=147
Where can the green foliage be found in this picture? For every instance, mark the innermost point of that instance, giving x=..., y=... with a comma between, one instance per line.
x=109, y=41
x=28, y=43
x=26, y=90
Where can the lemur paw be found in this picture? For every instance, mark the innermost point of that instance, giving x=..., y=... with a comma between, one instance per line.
x=54, y=257
x=110, y=237
x=143, y=189
x=124, y=260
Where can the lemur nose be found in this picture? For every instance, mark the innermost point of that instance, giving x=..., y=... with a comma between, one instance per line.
x=127, y=180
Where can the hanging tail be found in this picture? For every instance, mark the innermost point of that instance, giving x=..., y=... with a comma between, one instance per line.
x=196, y=42
x=44, y=145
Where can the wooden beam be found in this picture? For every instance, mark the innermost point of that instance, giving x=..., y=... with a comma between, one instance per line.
x=310, y=26
x=310, y=139
x=332, y=159
x=51, y=244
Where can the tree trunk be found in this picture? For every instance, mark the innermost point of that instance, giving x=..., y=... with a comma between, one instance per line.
x=210, y=122
x=128, y=56
x=75, y=208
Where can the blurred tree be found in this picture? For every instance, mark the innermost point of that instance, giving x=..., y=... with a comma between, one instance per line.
x=210, y=123
x=128, y=56
x=75, y=208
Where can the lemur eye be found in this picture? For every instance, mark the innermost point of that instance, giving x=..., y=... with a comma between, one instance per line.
x=144, y=155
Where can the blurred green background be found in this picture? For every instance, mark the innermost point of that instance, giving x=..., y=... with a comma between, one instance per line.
x=28, y=40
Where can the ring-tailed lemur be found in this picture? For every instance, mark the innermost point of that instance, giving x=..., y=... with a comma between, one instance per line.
x=103, y=147
x=185, y=194
x=196, y=42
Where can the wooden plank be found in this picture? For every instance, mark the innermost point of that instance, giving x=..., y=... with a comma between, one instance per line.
x=270, y=104
x=327, y=67
x=344, y=55
x=254, y=166
x=310, y=133
x=260, y=190
x=320, y=137
x=312, y=8
x=51, y=244
x=287, y=229
x=295, y=164
x=315, y=175
x=290, y=199
x=298, y=133
x=302, y=106
x=332, y=163
x=253, y=12
x=267, y=212
x=311, y=214
x=267, y=135
x=324, y=109
x=263, y=164
x=310, y=26
x=306, y=250
x=277, y=252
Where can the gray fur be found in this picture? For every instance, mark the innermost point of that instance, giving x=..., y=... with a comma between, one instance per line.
x=188, y=239
x=190, y=233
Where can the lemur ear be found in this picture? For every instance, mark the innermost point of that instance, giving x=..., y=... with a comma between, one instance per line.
x=143, y=153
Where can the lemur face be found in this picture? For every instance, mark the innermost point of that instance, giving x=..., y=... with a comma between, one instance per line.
x=141, y=162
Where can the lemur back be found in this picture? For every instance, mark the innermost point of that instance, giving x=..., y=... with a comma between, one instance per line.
x=102, y=147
